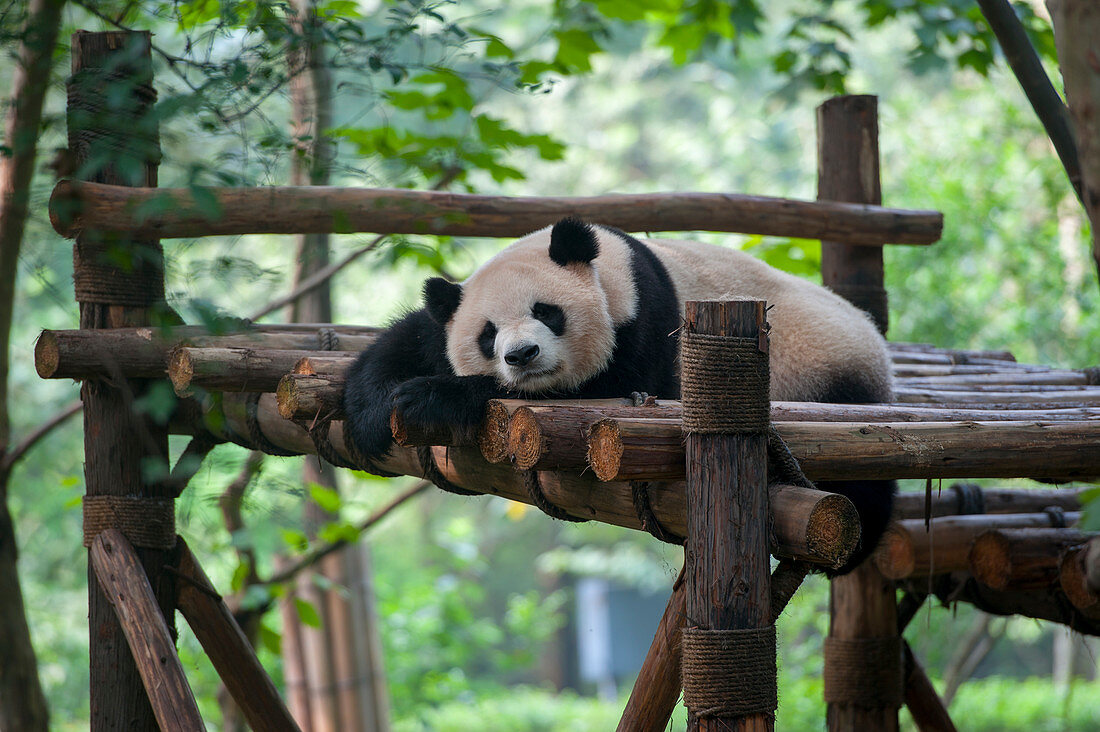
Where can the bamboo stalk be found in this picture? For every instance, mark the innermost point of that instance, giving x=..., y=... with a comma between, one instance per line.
x=169, y=213
x=636, y=449
x=1023, y=559
x=910, y=549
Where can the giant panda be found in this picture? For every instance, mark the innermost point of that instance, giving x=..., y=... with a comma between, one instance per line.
x=586, y=311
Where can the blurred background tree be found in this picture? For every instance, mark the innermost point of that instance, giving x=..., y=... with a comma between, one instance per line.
x=474, y=596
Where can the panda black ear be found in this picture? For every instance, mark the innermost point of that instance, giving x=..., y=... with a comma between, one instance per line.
x=441, y=299
x=572, y=240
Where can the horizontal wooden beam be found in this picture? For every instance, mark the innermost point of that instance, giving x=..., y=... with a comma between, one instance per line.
x=166, y=213
x=1021, y=559
x=813, y=526
x=948, y=501
x=639, y=449
x=910, y=548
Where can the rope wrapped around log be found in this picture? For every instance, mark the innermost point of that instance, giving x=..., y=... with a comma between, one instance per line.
x=729, y=672
x=864, y=671
x=970, y=497
x=722, y=380
x=146, y=522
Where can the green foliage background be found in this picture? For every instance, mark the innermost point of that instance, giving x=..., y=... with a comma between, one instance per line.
x=564, y=98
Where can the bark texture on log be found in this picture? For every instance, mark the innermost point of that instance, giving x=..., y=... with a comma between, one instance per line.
x=126, y=587
x=1074, y=583
x=75, y=206
x=950, y=501
x=1021, y=559
x=921, y=699
x=910, y=548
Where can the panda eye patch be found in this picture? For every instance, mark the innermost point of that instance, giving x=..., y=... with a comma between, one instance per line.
x=487, y=339
x=549, y=315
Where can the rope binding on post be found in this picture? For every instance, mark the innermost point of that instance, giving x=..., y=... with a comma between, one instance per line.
x=729, y=672
x=864, y=671
x=722, y=382
x=146, y=522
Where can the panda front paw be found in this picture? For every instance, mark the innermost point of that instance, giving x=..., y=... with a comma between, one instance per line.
x=441, y=405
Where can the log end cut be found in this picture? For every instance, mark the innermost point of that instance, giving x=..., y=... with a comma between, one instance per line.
x=492, y=436
x=524, y=439
x=181, y=369
x=605, y=449
x=991, y=559
x=47, y=355
x=895, y=556
x=286, y=396
x=833, y=529
x=1074, y=583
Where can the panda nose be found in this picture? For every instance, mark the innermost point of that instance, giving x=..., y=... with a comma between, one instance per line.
x=521, y=356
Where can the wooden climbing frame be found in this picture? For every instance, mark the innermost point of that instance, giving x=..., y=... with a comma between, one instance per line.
x=959, y=414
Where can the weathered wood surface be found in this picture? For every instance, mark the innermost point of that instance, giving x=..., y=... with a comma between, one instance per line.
x=236, y=369
x=1021, y=559
x=992, y=380
x=1074, y=583
x=946, y=501
x=143, y=352
x=910, y=549
x=579, y=494
x=648, y=449
x=726, y=562
x=309, y=397
x=1082, y=395
x=229, y=650
x=126, y=587
x=168, y=213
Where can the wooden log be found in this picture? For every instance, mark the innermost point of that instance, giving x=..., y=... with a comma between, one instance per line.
x=127, y=589
x=1091, y=563
x=657, y=688
x=909, y=548
x=121, y=447
x=1089, y=396
x=143, y=352
x=334, y=364
x=726, y=570
x=1021, y=559
x=229, y=650
x=948, y=502
x=916, y=357
x=1048, y=603
x=169, y=213
x=826, y=537
x=1074, y=583
x=305, y=396
x=904, y=370
x=1010, y=378
x=648, y=449
x=900, y=347
x=924, y=704
x=233, y=369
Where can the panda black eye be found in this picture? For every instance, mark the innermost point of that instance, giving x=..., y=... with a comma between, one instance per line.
x=551, y=316
x=487, y=339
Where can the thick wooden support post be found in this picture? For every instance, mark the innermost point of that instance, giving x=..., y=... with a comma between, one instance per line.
x=115, y=564
x=113, y=139
x=863, y=660
x=847, y=170
x=230, y=652
x=727, y=580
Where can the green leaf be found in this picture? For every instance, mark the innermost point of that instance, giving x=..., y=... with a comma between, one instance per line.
x=338, y=531
x=271, y=640
x=294, y=539
x=326, y=498
x=307, y=613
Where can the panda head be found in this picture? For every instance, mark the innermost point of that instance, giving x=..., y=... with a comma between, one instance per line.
x=535, y=316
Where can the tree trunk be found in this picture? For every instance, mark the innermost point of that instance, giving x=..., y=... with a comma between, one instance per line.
x=339, y=660
x=1076, y=28
x=22, y=703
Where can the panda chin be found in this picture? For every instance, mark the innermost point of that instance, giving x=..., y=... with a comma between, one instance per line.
x=535, y=383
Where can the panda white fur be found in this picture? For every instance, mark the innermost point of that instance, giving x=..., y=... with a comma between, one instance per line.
x=586, y=311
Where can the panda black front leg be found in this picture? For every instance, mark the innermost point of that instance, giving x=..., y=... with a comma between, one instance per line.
x=440, y=403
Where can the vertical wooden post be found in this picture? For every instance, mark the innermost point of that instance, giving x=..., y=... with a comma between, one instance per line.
x=863, y=609
x=113, y=138
x=848, y=170
x=726, y=553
